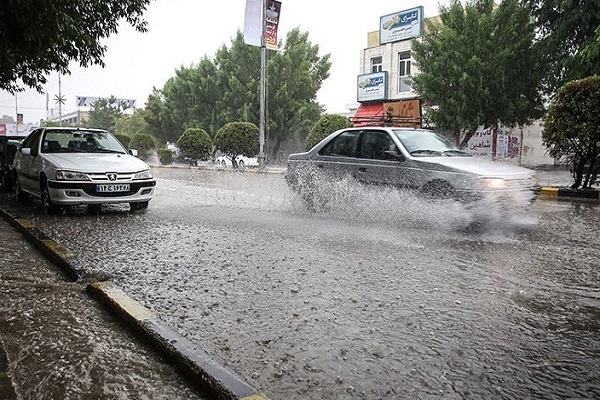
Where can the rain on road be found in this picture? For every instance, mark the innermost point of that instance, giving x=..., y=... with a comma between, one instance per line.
x=383, y=296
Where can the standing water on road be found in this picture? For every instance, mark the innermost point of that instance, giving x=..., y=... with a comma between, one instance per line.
x=379, y=296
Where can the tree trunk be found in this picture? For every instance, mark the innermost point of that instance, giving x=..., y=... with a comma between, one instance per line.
x=578, y=168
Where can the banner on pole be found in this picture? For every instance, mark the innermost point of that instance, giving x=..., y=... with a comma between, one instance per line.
x=253, y=23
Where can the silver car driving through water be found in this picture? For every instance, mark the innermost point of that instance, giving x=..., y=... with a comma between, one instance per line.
x=417, y=159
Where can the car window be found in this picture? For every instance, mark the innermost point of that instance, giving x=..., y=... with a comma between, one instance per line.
x=374, y=144
x=80, y=141
x=343, y=145
x=424, y=142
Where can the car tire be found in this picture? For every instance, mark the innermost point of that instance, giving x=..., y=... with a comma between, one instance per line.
x=139, y=206
x=48, y=207
x=438, y=190
x=19, y=193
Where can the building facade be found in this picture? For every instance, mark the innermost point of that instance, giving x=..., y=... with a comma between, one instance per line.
x=384, y=91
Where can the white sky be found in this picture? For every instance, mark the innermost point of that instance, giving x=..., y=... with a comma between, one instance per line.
x=181, y=32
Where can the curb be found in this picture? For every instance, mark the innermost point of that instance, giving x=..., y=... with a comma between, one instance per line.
x=590, y=194
x=205, y=371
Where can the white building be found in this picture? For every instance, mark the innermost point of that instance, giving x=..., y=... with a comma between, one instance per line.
x=384, y=90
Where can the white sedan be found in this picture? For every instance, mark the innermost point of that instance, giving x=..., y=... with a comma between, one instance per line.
x=223, y=162
x=71, y=166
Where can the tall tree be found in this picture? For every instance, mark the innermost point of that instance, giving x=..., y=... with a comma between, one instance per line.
x=41, y=36
x=131, y=125
x=211, y=94
x=295, y=76
x=105, y=113
x=160, y=123
x=565, y=29
x=478, y=65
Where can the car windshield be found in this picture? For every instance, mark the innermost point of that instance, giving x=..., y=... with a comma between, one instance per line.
x=80, y=141
x=427, y=143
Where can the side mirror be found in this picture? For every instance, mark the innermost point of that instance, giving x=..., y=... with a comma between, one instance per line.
x=393, y=155
x=133, y=152
x=26, y=151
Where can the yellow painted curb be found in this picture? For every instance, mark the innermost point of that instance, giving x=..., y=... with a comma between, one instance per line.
x=126, y=303
x=255, y=397
x=551, y=191
x=58, y=249
x=25, y=223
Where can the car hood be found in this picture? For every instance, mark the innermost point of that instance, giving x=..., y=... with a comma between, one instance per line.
x=97, y=162
x=479, y=166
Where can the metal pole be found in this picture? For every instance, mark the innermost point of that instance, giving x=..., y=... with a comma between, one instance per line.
x=59, y=103
x=263, y=66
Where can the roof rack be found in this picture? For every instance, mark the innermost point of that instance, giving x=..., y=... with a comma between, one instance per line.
x=389, y=120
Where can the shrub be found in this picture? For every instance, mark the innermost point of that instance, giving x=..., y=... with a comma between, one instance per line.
x=195, y=143
x=143, y=143
x=165, y=156
x=326, y=125
x=237, y=138
x=124, y=139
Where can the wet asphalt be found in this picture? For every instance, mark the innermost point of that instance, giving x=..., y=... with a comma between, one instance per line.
x=324, y=321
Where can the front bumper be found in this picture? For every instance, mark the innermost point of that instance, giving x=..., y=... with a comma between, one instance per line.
x=73, y=193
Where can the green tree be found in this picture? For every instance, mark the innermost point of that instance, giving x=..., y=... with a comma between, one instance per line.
x=123, y=139
x=237, y=139
x=572, y=128
x=212, y=94
x=41, y=36
x=479, y=67
x=568, y=39
x=158, y=118
x=195, y=143
x=326, y=125
x=143, y=143
x=131, y=125
x=295, y=76
x=105, y=113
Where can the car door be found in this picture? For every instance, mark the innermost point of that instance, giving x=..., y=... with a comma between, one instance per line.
x=25, y=161
x=338, y=159
x=375, y=164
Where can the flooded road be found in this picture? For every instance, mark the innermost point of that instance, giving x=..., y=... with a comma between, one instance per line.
x=382, y=296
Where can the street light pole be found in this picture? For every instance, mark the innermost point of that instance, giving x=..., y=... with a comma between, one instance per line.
x=263, y=66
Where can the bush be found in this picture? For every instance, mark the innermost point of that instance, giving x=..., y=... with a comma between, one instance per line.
x=195, y=143
x=326, y=125
x=124, y=139
x=165, y=156
x=143, y=143
x=237, y=139
x=571, y=128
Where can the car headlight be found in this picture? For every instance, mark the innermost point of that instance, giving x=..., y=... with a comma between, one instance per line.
x=145, y=174
x=492, y=183
x=71, y=176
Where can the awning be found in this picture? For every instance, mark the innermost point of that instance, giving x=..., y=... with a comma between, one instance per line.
x=368, y=114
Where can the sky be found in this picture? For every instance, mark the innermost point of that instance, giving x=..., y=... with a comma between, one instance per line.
x=181, y=32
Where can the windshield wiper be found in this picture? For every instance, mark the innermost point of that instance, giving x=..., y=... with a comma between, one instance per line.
x=424, y=151
x=457, y=152
x=108, y=151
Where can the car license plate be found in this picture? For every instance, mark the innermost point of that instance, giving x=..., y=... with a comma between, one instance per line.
x=112, y=188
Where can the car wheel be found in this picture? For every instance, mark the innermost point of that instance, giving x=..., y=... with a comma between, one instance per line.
x=139, y=206
x=19, y=193
x=241, y=165
x=47, y=206
x=438, y=190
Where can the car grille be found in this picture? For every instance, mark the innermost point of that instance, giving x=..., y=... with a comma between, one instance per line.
x=103, y=177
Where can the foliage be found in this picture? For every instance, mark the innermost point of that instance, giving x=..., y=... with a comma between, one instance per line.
x=213, y=93
x=326, y=125
x=131, y=125
x=571, y=129
x=237, y=139
x=41, y=36
x=165, y=156
x=195, y=143
x=159, y=119
x=47, y=124
x=123, y=139
x=569, y=39
x=143, y=143
x=105, y=113
x=479, y=66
